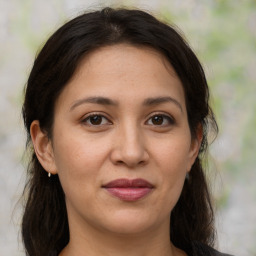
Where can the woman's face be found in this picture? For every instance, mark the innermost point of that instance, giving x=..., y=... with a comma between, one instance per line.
x=121, y=141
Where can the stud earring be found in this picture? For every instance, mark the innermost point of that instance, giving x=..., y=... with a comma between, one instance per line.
x=187, y=176
x=49, y=174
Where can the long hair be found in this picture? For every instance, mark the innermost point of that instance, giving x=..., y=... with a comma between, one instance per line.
x=45, y=222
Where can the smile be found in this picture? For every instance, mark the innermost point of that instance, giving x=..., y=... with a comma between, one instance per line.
x=129, y=190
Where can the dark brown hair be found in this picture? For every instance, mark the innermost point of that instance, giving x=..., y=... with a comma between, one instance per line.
x=45, y=223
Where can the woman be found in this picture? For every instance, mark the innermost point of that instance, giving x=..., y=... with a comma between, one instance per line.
x=117, y=115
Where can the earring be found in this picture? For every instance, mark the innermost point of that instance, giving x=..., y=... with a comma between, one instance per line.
x=187, y=176
x=49, y=174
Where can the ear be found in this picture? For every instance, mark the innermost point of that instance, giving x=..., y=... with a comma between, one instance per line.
x=43, y=147
x=195, y=146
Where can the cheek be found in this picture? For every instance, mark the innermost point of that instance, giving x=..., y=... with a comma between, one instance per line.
x=172, y=154
x=172, y=185
x=77, y=152
x=172, y=159
x=78, y=161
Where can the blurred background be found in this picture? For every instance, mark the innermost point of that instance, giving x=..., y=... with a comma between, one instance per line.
x=221, y=32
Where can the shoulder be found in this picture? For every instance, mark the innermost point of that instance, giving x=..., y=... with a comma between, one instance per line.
x=199, y=249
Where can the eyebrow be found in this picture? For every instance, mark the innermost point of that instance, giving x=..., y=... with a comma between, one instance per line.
x=94, y=100
x=161, y=100
x=109, y=102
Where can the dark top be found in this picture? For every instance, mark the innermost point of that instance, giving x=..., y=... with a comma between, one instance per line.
x=198, y=249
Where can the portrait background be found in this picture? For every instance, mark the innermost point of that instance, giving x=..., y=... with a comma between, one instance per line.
x=221, y=32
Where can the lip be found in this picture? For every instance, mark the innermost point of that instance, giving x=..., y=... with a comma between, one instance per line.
x=129, y=190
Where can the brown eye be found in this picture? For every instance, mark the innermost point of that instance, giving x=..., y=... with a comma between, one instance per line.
x=157, y=120
x=96, y=120
x=160, y=120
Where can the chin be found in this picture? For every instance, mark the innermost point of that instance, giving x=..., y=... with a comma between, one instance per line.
x=129, y=223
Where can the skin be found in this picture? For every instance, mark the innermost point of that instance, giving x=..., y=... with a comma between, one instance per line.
x=124, y=142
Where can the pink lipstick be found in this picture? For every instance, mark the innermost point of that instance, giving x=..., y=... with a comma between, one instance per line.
x=129, y=190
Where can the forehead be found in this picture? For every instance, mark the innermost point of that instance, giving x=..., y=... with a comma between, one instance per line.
x=115, y=56
x=124, y=71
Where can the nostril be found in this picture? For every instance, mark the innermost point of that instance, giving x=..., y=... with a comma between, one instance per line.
x=119, y=162
x=130, y=163
x=142, y=162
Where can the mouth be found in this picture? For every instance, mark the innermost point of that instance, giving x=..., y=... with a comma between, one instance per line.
x=129, y=190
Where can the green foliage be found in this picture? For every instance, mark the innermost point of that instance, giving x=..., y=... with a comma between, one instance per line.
x=224, y=36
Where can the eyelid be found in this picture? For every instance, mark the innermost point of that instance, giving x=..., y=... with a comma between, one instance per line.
x=171, y=119
x=91, y=114
x=164, y=115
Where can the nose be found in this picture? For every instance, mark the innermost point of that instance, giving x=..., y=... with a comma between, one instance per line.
x=129, y=148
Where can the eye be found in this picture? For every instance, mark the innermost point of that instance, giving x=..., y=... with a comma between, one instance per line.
x=160, y=120
x=96, y=120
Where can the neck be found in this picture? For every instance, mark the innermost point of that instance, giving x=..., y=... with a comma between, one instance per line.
x=89, y=241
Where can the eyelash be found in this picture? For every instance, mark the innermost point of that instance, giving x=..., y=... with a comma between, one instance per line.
x=170, y=120
x=87, y=118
